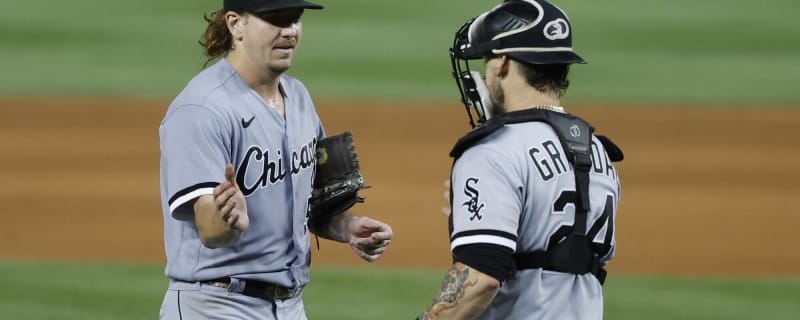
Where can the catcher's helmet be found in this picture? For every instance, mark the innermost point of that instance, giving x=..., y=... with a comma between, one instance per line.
x=531, y=31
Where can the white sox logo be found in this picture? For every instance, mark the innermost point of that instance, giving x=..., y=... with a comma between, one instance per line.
x=473, y=204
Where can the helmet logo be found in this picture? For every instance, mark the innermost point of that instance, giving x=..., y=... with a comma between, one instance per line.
x=556, y=29
x=575, y=131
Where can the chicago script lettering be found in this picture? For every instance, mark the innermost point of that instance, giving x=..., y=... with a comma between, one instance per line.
x=271, y=170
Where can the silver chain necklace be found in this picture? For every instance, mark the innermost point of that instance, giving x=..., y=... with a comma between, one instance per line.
x=550, y=107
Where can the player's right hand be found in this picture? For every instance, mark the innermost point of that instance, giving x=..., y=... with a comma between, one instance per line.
x=446, y=210
x=230, y=202
x=368, y=237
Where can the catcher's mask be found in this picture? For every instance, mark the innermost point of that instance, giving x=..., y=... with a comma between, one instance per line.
x=530, y=31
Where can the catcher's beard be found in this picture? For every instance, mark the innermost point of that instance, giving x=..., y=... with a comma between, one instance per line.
x=498, y=97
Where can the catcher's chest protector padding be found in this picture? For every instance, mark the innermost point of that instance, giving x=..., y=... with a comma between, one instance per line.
x=575, y=253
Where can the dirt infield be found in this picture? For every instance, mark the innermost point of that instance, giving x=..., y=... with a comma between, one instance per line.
x=705, y=191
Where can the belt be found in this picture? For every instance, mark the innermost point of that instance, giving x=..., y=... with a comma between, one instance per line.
x=259, y=289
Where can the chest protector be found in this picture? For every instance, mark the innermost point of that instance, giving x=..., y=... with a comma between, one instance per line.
x=573, y=252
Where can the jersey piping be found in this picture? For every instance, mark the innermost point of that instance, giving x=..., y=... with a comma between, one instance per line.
x=190, y=193
x=484, y=236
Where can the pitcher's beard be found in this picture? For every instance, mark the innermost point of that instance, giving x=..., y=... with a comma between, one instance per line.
x=280, y=67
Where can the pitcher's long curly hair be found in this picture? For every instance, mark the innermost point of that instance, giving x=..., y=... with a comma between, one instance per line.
x=217, y=40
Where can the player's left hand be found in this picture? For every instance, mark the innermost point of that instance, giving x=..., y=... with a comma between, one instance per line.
x=369, y=238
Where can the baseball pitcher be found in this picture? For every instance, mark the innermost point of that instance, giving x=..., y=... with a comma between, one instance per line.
x=241, y=182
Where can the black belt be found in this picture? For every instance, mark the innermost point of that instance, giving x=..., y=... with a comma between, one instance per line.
x=259, y=289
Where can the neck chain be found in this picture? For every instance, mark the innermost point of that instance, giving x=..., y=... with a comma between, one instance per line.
x=275, y=100
x=549, y=107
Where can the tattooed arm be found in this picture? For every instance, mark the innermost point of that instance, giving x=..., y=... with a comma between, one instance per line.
x=465, y=294
x=336, y=229
x=367, y=237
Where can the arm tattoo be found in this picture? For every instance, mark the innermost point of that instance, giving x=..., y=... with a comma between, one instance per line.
x=335, y=229
x=452, y=289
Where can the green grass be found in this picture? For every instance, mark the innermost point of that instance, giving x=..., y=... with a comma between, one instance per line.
x=700, y=298
x=68, y=291
x=713, y=51
x=86, y=291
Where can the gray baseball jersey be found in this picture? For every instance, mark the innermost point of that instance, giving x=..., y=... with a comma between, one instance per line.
x=218, y=119
x=509, y=191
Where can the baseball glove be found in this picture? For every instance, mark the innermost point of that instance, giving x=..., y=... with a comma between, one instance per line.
x=337, y=180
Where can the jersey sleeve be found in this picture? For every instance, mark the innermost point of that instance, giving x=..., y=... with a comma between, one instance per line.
x=193, y=157
x=320, y=131
x=487, y=199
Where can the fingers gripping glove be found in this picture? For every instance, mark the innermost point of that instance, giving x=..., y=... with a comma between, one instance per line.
x=337, y=180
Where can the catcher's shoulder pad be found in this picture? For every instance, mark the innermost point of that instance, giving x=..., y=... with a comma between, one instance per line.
x=570, y=129
x=565, y=125
x=614, y=152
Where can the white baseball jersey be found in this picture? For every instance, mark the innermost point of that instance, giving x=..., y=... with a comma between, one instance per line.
x=218, y=119
x=515, y=189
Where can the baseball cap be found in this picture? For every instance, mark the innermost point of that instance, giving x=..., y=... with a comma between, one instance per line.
x=533, y=31
x=266, y=5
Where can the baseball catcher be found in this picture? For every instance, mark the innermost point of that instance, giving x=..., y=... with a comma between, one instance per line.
x=534, y=191
x=337, y=180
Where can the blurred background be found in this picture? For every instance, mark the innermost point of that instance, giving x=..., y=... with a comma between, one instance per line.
x=714, y=51
x=699, y=94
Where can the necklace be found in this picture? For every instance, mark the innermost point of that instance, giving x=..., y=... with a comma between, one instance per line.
x=550, y=107
x=275, y=100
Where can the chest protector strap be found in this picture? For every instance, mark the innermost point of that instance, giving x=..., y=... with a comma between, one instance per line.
x=572, y=252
